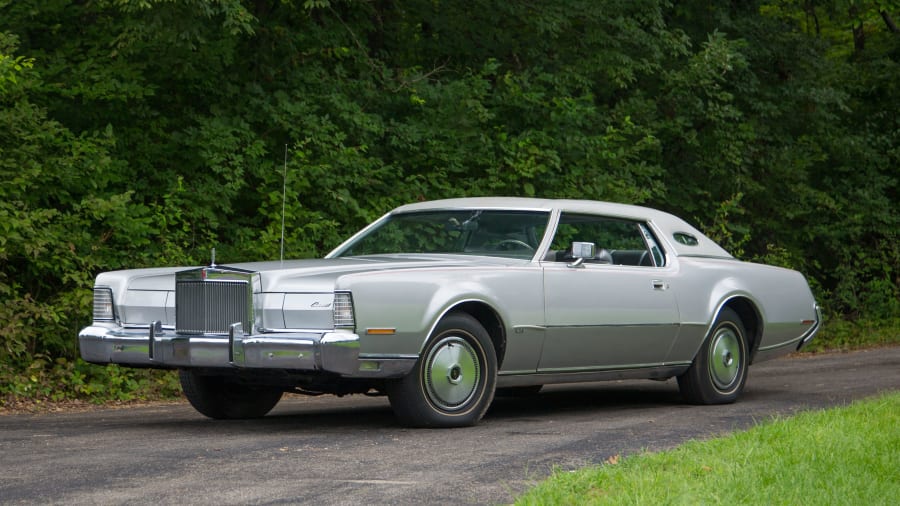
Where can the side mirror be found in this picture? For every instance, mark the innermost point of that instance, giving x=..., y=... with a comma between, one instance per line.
x=583, y=249
x=580, y=251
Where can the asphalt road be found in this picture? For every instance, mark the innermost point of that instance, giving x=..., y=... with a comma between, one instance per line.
x=327, y=450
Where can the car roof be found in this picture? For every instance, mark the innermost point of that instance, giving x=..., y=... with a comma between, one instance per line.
x=667, y=223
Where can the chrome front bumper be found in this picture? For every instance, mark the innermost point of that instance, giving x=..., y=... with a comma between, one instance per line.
x=335, y=352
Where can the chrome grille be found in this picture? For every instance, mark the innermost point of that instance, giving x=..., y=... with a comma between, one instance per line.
x=211, y=307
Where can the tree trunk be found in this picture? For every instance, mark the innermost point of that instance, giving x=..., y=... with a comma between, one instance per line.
x=889, y=21
x=859, y=34
x=811, y=12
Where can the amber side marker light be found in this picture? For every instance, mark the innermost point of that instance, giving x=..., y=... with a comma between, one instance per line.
x=381, y=332
x=807, y=322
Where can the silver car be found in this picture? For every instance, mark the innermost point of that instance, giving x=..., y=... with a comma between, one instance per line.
x=442, y=304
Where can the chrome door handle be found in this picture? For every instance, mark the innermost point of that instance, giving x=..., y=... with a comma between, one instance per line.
x=659, y=284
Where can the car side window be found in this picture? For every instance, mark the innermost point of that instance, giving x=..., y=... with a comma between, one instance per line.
x=617, y=241
x=658, y=258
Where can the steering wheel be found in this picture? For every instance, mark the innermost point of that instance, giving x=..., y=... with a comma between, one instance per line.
x=514, y=242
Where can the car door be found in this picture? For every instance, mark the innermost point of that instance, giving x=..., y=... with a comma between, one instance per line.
x=614, y=310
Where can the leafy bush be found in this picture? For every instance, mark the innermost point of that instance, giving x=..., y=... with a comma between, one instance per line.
x=137, y=133
x=842, y=334
x=45, y=380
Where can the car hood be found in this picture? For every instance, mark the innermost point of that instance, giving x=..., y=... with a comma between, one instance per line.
x=307, y=276
x=319, y=275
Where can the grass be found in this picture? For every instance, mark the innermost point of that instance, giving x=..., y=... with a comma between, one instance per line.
x=847, y=455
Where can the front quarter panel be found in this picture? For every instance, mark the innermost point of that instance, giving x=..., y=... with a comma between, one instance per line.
x=413, y=301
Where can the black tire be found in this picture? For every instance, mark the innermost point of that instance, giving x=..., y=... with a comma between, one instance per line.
x=452, y=384
x=719, y=370
x=219, y=398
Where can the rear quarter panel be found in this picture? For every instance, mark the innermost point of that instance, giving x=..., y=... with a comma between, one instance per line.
x=781, y=297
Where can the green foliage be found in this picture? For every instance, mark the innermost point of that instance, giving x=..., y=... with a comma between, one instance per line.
x=844, y=334
x=45, y=380
x=145, y=132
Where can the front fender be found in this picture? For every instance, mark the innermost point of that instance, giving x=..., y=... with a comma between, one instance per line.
x=397, y=311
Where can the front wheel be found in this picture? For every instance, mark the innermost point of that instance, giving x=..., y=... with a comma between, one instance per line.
x=719, y=370
x=217, y=397
x=453, y=382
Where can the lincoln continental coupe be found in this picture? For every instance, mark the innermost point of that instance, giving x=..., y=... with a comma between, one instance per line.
x=440, y=305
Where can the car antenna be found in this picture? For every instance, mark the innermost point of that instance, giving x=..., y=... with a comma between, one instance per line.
x=283, y=199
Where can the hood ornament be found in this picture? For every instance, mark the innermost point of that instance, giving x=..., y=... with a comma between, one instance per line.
x=212, y=262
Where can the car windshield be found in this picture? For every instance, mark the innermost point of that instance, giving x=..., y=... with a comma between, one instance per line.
x=512, y=234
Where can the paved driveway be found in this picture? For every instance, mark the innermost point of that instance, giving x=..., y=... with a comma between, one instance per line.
x=327, y=450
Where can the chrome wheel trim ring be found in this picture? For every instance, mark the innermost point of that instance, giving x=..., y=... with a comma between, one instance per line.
x=452, y=373
x=725, y=361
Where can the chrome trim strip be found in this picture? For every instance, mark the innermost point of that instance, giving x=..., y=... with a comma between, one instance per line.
x=387, y=356
x=529, y=327
x=778, y=350
x=659, y=372
x=609, y=367
x=615, y=325
x=478, y=208
x=292, y=331
x=515, y=373
x=130, y=326
x=436, y=321
x=779, y=345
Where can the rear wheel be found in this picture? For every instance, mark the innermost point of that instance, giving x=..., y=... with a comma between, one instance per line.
x=217, y=397
x=719, y=371
x=453, y=382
